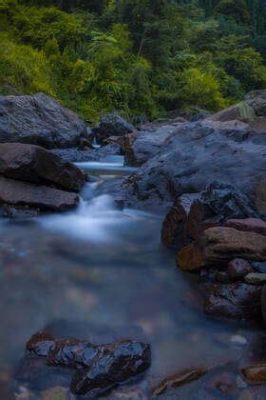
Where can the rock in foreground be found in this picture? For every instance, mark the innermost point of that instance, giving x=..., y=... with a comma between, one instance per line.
x=39, y=120
x=99, y=367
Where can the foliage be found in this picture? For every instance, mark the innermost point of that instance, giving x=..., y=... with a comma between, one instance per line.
x=140, y=57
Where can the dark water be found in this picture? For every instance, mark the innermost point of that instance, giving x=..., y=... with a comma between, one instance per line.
x=105, y=267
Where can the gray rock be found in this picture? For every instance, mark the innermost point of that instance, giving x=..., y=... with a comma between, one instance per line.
x=256, y=278
x=40, y=120
x=112, y=125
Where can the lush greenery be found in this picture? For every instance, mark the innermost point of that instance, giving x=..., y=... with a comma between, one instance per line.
x=141, y=57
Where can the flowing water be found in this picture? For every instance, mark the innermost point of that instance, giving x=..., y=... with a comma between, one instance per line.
x=105, y=267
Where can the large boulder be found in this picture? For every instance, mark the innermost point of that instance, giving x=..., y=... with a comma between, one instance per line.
x=40, y=120
x=40, y=197
x=197, y=154
x=112, y=125
x=35, y=164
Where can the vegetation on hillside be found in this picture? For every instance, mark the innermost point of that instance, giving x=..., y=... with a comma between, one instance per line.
x=144, y=58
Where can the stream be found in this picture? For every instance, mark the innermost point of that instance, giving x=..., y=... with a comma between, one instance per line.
x=104, y=266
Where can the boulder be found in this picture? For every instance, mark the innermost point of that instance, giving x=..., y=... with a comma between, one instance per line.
x=99, y=367
x=255, y=374
x=238, y=268
x=248, y=225
x=43, y=198
x=216, y=204
x=194, y=156
x=35, y=164
x=233, y=301
x=112, y=125
x=40, y=120
x=221, y=244
x=261, y=196
x=257, y=100
x=256, y=278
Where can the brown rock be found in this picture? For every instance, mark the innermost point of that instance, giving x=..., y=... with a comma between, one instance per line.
x=35, y=164
x=180, y=378
x=174, y=226
x=234, y=301
x=191, y=258
x=238, y=268
x=221, y=244
x=43, y=198
x=255, y=374
x=248, y=225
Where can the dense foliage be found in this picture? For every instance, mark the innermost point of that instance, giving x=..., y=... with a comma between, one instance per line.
x=140, y=57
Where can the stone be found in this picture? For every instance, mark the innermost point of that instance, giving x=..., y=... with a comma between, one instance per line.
x=257, y=100
x=255, y=374
x=178, y=379
x=238, y=268
x=35, y=164
x=248, y=225
x=190, y=258
x=233, y=301
x=55, y=393
x=220, y=244
x=112, y=125
x=113, y=365
x=43, y=198
x=256, y=278
x=215, y=205
x=39, y=120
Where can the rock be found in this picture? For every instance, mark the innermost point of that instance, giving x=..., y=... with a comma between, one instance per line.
x=25, y=212
x=55, y=393
x=178, y=379
x=261, y=196
x=86, y=155
x=112, y=365
x=43, y=198
x=257, y=100
x=255, y=374
x=255, y=278
x=238, y=268
x=99, y=367
x=233, y=113
x=248, y=225
x=215, y=205
x=263, y=303
x=39, y=120
x=221, y=244
x=233, y=301
x=34, y=164
x=194, y=156
x=112, y=125
x=191, y=258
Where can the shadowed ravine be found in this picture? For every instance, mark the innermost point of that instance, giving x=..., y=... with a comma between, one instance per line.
x=107, y=269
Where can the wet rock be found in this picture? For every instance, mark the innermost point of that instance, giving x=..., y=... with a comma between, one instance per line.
x=112, y=125
x=217, y=204
x=255, y=374
x=248, y=225
x=221, y=244
x=113, y=365
x=44, y=198
x=40, y=344
x=255, y=278
x=99, y=367
x=39, y=120
x=238, y=268
x=180, y=378
x=8, y=211
x=34, y=164
x=96, y=154
x=233, y=301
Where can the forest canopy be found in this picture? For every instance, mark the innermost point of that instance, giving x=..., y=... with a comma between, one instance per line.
x=143, y=58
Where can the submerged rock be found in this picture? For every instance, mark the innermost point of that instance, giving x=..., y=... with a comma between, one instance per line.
x=40, y=120
x=234, y=301
x=34, y=164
